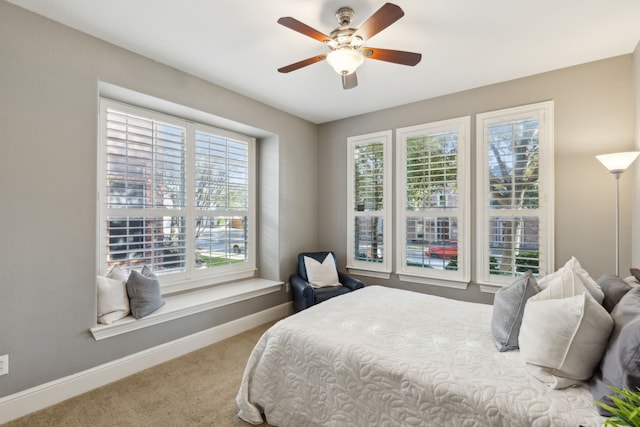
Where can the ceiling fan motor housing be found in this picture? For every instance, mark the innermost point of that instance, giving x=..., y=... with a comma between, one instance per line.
x=344, y=15
x=342, y=36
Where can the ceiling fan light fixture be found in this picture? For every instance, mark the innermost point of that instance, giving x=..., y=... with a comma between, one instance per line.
x=345, y=60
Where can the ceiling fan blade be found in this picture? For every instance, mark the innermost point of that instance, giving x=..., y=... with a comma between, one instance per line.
x=303, y=63
x=395, y=56
x=302, y=28
x=349, y=81
x=381, y=19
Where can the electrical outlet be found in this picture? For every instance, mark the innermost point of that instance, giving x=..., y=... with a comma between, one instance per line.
x=287, y=287
x=4, y=364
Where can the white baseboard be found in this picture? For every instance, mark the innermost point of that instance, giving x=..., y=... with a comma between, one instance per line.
x=39, y=397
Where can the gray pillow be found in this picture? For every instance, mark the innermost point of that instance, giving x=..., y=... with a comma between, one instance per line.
x=614, y=288
x=620, y=366
x=508, y=307
x=144, y=293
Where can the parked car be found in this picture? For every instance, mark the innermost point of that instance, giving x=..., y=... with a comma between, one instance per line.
x=444, y=250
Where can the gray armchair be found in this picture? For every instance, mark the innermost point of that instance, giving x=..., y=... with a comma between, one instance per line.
x=305, y=295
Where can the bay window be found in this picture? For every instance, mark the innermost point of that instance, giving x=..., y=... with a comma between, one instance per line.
x=175, y=195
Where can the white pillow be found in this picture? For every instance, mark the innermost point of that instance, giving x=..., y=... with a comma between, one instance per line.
x=117, y=273
x=573, y=265
x=563, y=340
x=322, y=274
x=113, y=301
x=564, y=283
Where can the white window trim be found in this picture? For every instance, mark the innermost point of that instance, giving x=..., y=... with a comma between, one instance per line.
x=191, y=279
x=451, y=279
x=545, y=112
x=378, y=270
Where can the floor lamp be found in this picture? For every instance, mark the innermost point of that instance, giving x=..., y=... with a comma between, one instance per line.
x=616, y=164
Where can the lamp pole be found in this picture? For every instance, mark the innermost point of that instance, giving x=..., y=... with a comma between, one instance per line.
x=616, y=175
x=616, y=164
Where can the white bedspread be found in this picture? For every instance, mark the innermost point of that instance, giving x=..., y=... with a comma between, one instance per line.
x=387, y=357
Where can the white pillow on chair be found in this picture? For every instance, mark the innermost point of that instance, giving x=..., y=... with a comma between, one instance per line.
x=323, y=274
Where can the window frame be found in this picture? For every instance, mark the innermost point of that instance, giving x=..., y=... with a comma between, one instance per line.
x=453, y=279
x=192, y=277
x=544, y=111
x=355, y=266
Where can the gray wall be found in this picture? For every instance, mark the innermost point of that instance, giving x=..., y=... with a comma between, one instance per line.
x=593, y=115
x=49, y=78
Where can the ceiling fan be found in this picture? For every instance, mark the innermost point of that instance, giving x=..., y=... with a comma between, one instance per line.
x=346, y=43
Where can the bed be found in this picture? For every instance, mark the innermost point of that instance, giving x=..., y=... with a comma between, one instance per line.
x=387, y=357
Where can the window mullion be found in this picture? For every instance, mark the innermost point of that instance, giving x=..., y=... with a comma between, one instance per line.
x=190, y=211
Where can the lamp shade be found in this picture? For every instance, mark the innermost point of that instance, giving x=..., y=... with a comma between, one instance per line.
x=618, y=162
x=345, y=60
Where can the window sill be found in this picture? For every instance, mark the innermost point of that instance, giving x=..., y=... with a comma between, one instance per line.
x=181, y=305
x=434, y=281
x=490, y=288
x=369, y=273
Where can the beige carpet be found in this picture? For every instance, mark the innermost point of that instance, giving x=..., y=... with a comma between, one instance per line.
x=197, y=389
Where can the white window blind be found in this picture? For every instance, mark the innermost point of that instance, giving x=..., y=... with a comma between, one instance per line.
x=369, y=211
x=145, y=174
x=515, y=202
x=222, y=173
x=432, y=202
x=178, y=196
x=221, y=200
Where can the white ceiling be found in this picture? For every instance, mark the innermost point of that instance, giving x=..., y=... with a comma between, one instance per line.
x=464, y=44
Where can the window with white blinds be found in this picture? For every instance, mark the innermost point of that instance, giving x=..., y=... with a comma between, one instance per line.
x=515, y=194
x=176, y=196
x=369, y=212
x=145, y=174
x=432, y=202
x=221, y=200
